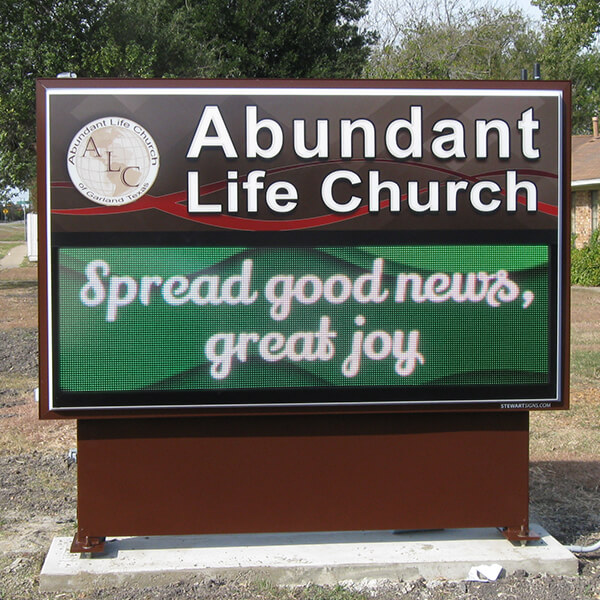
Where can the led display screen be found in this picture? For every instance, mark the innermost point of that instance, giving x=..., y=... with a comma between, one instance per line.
x=166, y=320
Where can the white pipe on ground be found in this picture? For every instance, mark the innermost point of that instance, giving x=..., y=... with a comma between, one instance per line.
x=584, y=549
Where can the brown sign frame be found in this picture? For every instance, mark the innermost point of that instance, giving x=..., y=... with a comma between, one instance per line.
x=47, y=273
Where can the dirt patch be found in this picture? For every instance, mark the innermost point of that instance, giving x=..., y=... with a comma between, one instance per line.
x=565, y=499
x=23, y=433
x=19, y=351
x=37, y=502
x=37, y=483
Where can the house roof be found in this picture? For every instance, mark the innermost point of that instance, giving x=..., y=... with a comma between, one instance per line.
x=585, y=160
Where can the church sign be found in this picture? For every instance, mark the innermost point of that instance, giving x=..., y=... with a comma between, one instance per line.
x=242, y=246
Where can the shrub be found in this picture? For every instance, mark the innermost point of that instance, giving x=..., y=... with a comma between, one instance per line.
x=585, y=263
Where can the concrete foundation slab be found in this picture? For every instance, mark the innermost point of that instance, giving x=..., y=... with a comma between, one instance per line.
x=301, y=558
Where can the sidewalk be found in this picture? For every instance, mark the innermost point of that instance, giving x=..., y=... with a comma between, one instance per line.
x=14, y=258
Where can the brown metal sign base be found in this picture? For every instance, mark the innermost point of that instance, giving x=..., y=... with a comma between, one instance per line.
x=142, y=477
x=93, y=545
x=522, y=534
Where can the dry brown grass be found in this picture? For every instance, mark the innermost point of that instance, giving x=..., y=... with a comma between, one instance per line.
x=28, y=273
x=23, y=432
x=585, y=338
x=575, y=434
x=13, y=231
x=18, y=307
x=20, y=429
x=565, y=445
x=568, y=435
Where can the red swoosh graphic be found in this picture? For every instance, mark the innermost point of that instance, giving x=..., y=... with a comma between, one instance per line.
x=175, y=203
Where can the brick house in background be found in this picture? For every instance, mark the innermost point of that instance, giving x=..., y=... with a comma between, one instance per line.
x=585, y=185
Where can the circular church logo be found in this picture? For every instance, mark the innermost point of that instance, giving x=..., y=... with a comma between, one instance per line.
x=113, y=161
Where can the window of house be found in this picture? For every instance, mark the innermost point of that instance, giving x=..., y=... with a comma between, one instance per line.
x=594, y=210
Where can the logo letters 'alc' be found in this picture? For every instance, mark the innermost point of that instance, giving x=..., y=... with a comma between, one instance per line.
x=91, y=147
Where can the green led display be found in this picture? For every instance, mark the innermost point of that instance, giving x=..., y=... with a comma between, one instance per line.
x=174, y=319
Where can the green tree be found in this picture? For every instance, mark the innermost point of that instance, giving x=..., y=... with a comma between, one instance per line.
x=33, y=44
x=163, y=38
x=571, y=51
x=232, y=38
x=449, y=40
x=287, y=38
x=150, y=38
